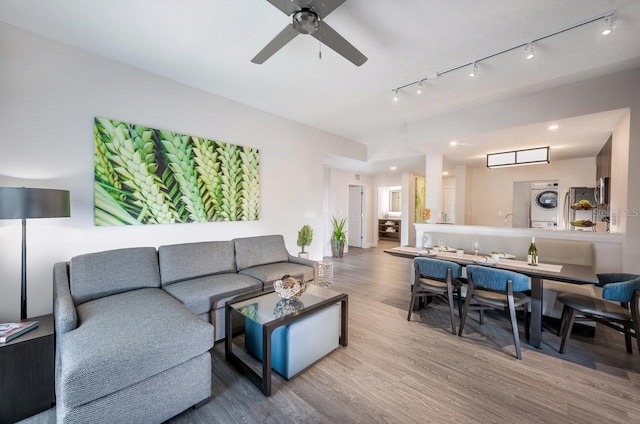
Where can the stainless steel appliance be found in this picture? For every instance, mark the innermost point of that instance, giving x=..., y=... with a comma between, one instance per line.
x=544, y=205
x=575, y=195
x=601, y=194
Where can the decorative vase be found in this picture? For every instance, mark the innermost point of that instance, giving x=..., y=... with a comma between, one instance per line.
x=337, y=248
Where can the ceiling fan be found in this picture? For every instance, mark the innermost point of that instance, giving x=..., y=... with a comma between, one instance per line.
x=308, y=18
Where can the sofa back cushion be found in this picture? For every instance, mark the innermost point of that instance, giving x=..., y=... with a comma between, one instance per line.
x=260, y=250
x=101, y=274
x=179, y=262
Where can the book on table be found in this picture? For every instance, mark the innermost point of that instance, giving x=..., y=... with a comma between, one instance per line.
x=11, y=330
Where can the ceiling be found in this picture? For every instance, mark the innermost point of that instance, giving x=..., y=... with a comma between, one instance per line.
x=209, y=44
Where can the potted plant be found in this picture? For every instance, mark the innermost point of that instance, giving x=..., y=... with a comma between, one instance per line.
x=305, y=235
x=338, y=236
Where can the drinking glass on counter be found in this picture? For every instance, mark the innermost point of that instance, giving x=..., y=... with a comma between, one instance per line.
x=476, y=247
x=443, y=245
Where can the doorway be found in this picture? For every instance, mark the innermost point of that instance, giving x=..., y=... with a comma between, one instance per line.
x=449, y=205
x=356, y=216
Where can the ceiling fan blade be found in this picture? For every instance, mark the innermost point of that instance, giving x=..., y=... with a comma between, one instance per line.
x=328, y=36
x=286, y=35
x=324, y=7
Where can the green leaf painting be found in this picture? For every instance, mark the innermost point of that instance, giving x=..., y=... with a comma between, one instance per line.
x=149, y=176
x=420, y=196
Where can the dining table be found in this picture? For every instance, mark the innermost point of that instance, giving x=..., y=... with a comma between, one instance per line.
x=566, y=273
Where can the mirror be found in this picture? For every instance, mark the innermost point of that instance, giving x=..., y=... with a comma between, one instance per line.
x=394, y=201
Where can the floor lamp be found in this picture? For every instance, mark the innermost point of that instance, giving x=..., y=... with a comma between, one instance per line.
x=27, y=203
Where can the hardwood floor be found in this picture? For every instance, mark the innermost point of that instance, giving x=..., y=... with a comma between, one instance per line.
x=399, y=371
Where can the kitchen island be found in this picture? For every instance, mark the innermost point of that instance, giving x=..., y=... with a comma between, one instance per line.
x=606, y=247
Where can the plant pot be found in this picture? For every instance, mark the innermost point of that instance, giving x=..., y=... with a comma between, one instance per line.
x=337, y=248
x=303, y=255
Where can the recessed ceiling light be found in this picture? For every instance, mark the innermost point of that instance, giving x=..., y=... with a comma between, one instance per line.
x=453, y=143
x=393, y=168
x=445, y=173
x=553, y=127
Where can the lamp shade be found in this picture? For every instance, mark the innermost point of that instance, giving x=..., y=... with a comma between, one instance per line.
x=27, y=203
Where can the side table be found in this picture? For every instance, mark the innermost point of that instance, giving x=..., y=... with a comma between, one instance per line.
x=27, y=372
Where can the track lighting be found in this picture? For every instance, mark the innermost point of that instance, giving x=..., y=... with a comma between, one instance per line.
x=609, y=21
x=609, y=24
x=530, y=52
x=474, y=70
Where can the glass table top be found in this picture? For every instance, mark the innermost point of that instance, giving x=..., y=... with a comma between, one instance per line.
x=268, y=307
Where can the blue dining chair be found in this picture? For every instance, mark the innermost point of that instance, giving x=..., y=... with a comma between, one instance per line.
x=436, y=278
x=618, y=287
x=491, y=288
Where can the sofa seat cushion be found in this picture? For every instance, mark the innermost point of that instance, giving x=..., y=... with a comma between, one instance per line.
x=124, y=339
x=201, y=294
x=179, y=262
x=271, y=272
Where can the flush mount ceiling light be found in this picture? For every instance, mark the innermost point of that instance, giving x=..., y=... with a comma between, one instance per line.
x=530, y=53
x=609, y=19
x=518, y=157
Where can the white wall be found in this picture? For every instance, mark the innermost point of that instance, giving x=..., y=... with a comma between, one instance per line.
x=50, y=93
x=338, y=182
x=618, y=182
x=492, y=194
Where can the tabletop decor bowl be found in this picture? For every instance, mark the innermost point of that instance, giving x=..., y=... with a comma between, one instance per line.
x=289, y=287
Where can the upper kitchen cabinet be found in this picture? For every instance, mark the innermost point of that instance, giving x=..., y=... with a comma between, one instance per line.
x=603, y=169
x=603, y=161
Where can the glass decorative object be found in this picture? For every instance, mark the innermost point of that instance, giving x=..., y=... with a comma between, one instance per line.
x=289, y=287
x=325, y=274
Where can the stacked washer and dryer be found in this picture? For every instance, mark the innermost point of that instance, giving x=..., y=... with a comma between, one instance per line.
x=544, y=205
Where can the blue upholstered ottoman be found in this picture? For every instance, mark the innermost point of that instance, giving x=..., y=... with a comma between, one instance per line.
x=298, y=345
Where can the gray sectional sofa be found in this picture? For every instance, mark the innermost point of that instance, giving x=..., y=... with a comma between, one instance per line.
x=134, y=326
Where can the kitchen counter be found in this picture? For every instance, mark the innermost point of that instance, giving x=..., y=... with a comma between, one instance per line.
x=591, y=236
x=607, y=247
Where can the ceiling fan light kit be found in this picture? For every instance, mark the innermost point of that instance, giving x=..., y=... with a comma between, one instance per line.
x=609, y=18
x=308, y=19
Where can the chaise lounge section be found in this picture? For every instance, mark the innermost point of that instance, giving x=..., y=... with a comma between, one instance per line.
x=126, y=350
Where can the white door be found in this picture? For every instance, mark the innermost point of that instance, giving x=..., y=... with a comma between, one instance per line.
x=354, y=233
x=449, y=205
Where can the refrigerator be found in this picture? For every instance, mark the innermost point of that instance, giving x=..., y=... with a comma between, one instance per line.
x=574, y=195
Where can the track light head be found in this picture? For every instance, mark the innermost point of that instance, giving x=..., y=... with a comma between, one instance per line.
x=530, y=53
x=609, y=24
x=395, y=95
x=474, y=70
x=419, y=90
